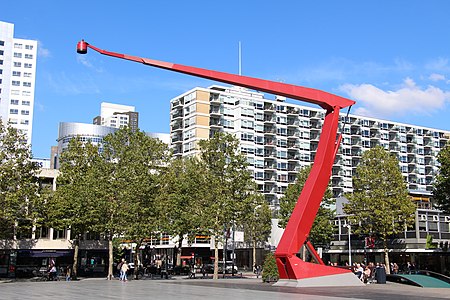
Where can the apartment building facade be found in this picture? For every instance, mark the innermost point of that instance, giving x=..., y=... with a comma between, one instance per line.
x=17, y=80
x=279, y=138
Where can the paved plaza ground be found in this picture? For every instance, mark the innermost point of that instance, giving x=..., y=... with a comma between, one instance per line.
x=181, y=288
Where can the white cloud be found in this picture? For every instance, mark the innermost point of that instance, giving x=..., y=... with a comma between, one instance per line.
x=42, y=51
x=409, y=98
x=440, y=64
x=436, y=77
x=85, y=62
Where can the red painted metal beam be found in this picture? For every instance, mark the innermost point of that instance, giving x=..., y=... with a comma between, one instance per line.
x=304, y=213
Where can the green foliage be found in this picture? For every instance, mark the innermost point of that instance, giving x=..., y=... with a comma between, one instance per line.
x=74, y=203
x=228, y=182
x=182, y=186
x=429, y=242
x=270, y=269
x=229, y=186
x=380, y=201
x=19, y=199
x=133, y=163
x=257, y=222
x=442, y=181
x=322, y=229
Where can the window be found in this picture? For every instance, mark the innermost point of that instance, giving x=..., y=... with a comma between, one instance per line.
x=190, y=109
x=247, y=124
x=259, y=163
x=228, y=124
x=17, y=55
x=247, y=136
x=281, y=166
x=59, y=234
x=281, y=120
x=189, y=134
x=259, y=139
x=281, y=154
x=259, y=175
x=282, y=131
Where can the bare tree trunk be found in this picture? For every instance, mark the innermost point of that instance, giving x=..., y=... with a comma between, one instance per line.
x=180, y=243
x=254, y=253
x=75, y=258
x=111, y=259
x=216, y=260
x=136, y=260
x=386, y=259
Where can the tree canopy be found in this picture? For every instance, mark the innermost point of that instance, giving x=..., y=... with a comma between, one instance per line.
x=442, y=180
x=18, y=185
x=380, y=201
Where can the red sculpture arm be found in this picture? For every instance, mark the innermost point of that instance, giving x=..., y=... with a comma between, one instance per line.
x=305, y=211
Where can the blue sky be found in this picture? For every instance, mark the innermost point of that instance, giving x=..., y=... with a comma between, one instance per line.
x=392, y=57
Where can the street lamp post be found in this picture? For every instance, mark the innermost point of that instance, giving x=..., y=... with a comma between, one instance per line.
x=349, y=227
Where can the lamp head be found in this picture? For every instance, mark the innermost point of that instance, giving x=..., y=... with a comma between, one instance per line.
x=82, y=47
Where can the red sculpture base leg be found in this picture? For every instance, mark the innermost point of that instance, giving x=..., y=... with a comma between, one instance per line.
x=298, y=273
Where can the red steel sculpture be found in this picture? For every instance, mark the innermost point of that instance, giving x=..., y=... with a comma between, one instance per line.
x=293, y=271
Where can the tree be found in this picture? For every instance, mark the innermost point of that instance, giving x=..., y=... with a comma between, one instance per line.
x=380, y=201
x=182, y=185
x=229, y=186
x=257, y=221
x=270, y=269
x=132, y=162
x=442, y=181
x=322, y=229
x=74, y=205
x=18, y=185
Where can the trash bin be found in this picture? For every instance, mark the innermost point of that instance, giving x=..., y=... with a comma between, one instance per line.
x=380, y=275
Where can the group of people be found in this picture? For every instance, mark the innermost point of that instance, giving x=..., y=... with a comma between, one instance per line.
x=52, y=272
x=368, y=273
x=123, y=268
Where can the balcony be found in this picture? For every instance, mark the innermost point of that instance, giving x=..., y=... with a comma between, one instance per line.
x=269, y=107
x=292, y=111
x=177, y=126
x=215, y=98
x=269, y=119
x=215, y=123
x=215, y=111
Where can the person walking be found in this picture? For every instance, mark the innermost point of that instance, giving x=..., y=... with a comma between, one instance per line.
x=119, y=268
x=124, y=270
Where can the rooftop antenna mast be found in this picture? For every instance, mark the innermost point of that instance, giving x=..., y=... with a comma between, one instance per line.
x=240, y=59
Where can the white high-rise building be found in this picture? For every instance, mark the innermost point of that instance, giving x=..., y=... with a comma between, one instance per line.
x=117, y=116
x=17, y=79
x=279, y=138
